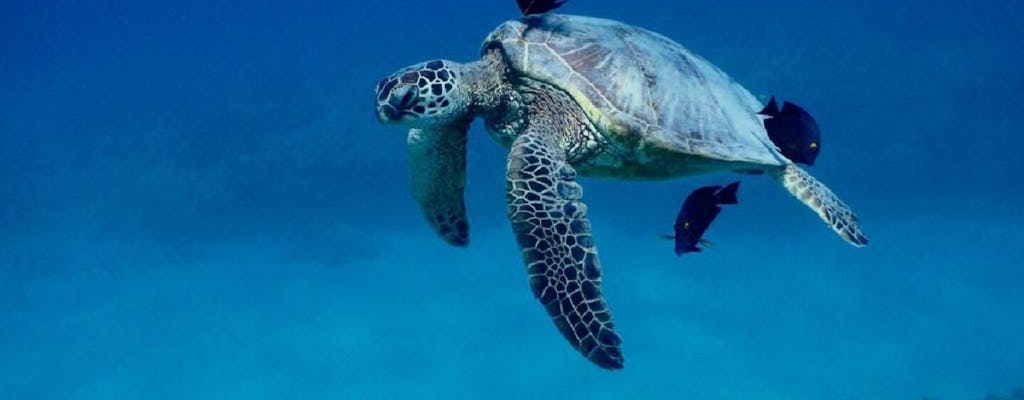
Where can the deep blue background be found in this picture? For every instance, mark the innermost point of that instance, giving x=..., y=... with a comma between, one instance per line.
x=196, y=202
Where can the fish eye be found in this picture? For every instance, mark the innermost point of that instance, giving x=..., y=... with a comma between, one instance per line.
x=814, y=146
x=686, y=225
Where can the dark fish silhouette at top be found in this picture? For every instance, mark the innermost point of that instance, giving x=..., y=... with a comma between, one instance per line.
x=535, y=7
x=698, y=211
x=793, y=131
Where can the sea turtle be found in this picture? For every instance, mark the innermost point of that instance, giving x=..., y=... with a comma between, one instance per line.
x=573, y=95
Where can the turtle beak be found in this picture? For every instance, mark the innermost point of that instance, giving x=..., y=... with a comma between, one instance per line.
x=386, y=113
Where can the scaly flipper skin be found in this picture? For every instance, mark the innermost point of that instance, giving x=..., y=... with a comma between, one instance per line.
x=437, y=168
x=819, y=198
x=550, y=223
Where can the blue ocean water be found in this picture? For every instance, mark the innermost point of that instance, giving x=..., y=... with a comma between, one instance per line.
x=196, y=201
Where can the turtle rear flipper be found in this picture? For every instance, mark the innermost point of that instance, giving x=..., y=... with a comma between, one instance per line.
x=437, y=168
x=819, y=198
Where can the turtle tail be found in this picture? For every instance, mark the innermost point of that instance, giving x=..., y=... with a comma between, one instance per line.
x=819, y=198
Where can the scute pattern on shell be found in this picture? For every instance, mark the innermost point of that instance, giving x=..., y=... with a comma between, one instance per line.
x=639, y=86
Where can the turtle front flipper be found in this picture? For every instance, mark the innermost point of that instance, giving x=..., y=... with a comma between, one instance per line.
x=437, y=168
x=550, y=223
x=819, y=198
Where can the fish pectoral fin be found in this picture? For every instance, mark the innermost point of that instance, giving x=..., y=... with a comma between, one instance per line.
x=669, y=237
x=708, y=243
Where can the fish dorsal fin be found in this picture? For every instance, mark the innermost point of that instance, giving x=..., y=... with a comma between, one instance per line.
x=771, y=109
x=704, y=192
x=793, y=108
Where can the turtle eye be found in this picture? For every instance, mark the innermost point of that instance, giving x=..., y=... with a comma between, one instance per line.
x=408, y=98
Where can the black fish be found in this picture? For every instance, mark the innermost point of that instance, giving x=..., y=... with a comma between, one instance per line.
x=793, y=131
x=698, y=211
x=534, y=7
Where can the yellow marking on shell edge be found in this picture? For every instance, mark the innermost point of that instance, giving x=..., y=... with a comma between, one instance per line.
x=526, y=55
x=597, y=117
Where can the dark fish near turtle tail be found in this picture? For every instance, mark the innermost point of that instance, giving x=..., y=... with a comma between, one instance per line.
x=535, y=7
x=698, y=211
x=793, y=131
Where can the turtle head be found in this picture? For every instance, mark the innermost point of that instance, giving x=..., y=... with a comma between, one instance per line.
x=424, y=95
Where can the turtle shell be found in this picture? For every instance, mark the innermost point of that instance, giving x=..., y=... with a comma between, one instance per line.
x=639, y=87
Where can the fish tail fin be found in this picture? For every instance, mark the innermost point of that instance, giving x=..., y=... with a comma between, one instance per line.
x=727, y=195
